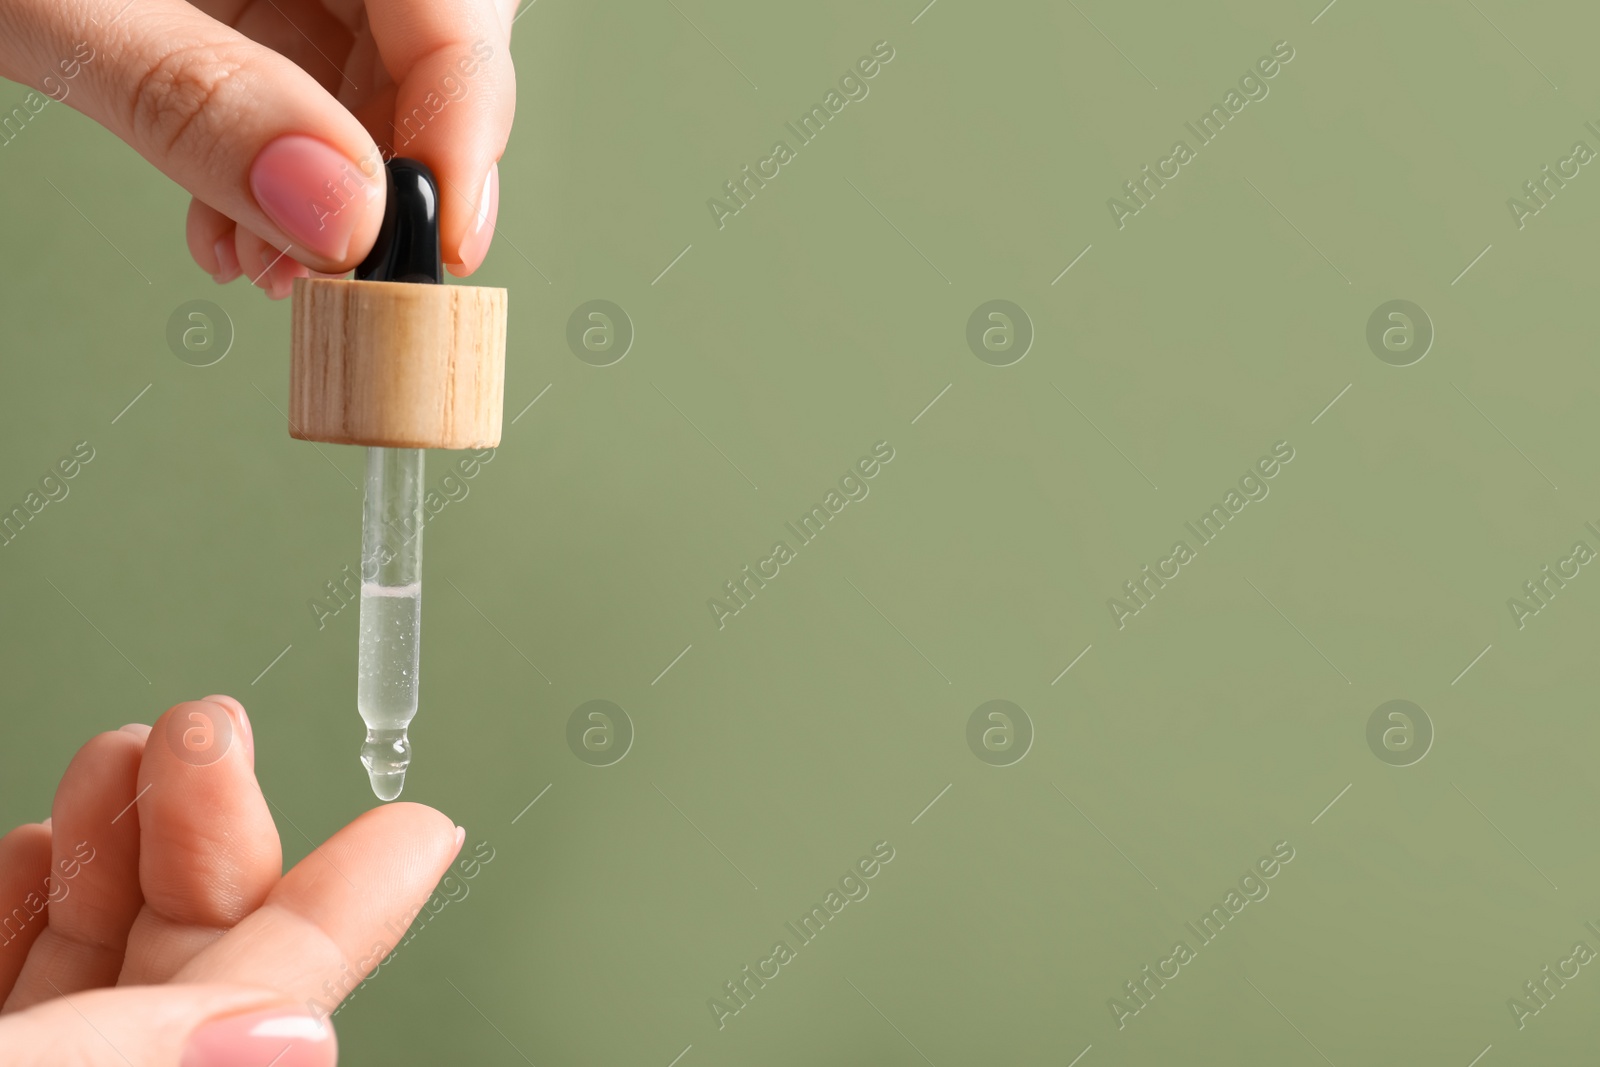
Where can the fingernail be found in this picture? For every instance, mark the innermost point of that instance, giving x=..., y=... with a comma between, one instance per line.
x=461, y=838
x=480, y=228
x=315, y=195
x=281, y=1038
x=248, y=731
x=240, y=719
x=48, y=820
x=227, y=261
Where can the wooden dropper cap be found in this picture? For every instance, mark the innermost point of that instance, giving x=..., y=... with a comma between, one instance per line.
x=383, y=360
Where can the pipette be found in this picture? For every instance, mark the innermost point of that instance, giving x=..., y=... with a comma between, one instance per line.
x=390, y=654
x=396, y=361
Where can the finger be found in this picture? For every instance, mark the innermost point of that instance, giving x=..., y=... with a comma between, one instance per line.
x=196, y=1026
x=209, y=234
x=270, y=269
x=24, y=874
x=94, y=872
x=284, y=272
x=241, y=127
x=454, y=104
x=209, y=852
x=333, y=918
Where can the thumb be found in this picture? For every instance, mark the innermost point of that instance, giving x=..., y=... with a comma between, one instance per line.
x=168, y=1026
x=241, y=127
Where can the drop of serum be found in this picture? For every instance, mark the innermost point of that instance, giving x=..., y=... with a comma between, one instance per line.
x=386, y=755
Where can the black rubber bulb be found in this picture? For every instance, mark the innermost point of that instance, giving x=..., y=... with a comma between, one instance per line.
x=407, y=248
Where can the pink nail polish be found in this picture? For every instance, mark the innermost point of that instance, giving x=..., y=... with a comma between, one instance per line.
x=315, y=195
x=227, y=261
x=480, y=228
x=278, y=1037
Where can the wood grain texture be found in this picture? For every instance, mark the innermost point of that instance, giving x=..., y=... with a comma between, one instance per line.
x=397, y=364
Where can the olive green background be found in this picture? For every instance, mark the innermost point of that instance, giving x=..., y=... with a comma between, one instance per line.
x=828, y=714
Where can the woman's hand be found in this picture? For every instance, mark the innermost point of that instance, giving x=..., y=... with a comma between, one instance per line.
x=272, y=113
x=147, y=921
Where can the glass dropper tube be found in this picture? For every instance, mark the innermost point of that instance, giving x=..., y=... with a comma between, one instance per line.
x=391, y=613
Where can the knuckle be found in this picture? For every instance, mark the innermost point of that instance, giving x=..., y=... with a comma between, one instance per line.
x=175, y=98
